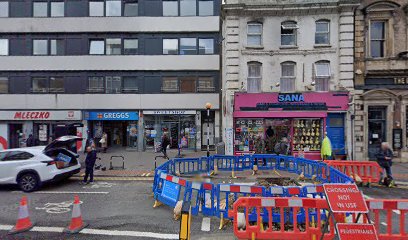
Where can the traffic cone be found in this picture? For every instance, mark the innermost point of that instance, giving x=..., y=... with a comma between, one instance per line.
x=23, y=222
x=76, y=222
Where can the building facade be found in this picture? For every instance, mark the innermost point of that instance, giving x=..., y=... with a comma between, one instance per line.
x=135, y=69
x=287, y=72
x=381, y=63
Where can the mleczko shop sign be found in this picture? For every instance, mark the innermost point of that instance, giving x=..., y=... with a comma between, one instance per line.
x=40, y=115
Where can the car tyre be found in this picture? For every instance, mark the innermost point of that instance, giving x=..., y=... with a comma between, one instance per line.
x=28, y=182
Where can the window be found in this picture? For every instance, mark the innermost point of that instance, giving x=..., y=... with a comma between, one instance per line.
x=4, y=9
x=170, y=46
x=131, y=9
x=322, y=35
x=188, y=46
x=113, y=8
x=288, y=33
x=130, y=85
x=322, y=76
x=170, y=84
x=40, y=47
x=4, y=47
x=188, y=84
x=254, y=34
x=205, y=84
x=377, y=39
x=170, y=8
x=57, y=85
x=96, y=8
x=206, y=46
x=4, y=85
x=40, y=9
x=17, y=155
x=57, y=47
x=113, y=84
x=130, y=46
x=57, y=9
x=113, y=46
x=206, y=7
x=288, y=77
x=96, y=84
x=39, y=85
x=188, y=8
x=97, y=47
x=254, y=77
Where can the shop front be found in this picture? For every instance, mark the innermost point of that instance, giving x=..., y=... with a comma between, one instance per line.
x=263, y=119
x=121, y=127
x=179, y=126
x=16, y=126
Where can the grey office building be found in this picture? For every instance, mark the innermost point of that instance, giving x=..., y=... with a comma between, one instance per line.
x=134, y=69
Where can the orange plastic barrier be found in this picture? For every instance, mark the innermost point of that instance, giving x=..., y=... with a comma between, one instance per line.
x=287, y=227
x=368, y=171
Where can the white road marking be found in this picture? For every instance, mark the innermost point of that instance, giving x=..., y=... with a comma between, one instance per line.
x=100, y=185
x=206, y=224
x=57, y=208
x=101, y=232
x=63, y=192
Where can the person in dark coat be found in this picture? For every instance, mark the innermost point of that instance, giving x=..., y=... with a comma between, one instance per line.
x=89, y=165
x=30, y=141
x=165, y=142
x=384, y=159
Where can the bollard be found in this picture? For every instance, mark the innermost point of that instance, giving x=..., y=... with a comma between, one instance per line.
x=185, y=222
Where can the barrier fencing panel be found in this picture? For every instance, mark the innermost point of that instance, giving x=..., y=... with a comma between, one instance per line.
x=165, y=167
x=264, y=161
x=281, y=229
x=335, y=176
x=243, y=162
x=170, y=189
x=368, y=171
x=190, y=165
x=224, y=163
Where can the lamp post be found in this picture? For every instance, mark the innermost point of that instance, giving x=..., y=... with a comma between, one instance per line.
x=208, y=107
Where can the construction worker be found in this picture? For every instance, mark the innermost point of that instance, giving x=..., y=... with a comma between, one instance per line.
x=326, y=151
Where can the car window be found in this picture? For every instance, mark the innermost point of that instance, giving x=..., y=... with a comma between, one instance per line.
x=17, y=155
x=3, y=155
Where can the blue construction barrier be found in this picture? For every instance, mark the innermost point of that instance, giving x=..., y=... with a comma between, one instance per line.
x=190, y=165
x=338, y=177
x=223, y=163
x=265, y=161
x=170, y=189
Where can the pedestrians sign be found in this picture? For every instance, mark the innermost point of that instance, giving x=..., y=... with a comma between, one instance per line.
x=345, y=198
x=171, y=191
x=351, y=231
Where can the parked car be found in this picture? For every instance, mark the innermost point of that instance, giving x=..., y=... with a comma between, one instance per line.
x=30, y=167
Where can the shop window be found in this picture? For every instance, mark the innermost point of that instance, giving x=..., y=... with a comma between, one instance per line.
x=170, y=8
x=130, y=85
x=96, y=84
x=131, y=9
x=57, y=47
x=170, y=46
x=113, y=8
x=170, y=84
x=206, y=7
x=322, y=75
x=57, y=9
x=97, y=47
x=288, y=33
x=206, y=46
x=254, y=34
x=40, y=47
x=307, y=134
x=206, y=84
x=4, y=47
x=40, y=9
x=56, y=85
x=188, y=84
x=130, y=46
x=377, y=39
x=4, y=85
x=4, y=9
x=249, y=134
x=188, y=46
x=96, y=8
x=288, y=77
x=113, y=46
x=188, y=8
x=113, y=84
x=254, y=77
x=322, y=35
x=39, y=85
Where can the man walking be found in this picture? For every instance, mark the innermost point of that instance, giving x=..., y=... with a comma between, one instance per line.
x=165, y=142
x=89, y=165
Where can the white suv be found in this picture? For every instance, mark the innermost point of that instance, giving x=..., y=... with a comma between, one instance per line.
x=30, y=167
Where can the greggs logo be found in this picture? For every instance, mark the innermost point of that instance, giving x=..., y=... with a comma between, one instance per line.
x=32, y=115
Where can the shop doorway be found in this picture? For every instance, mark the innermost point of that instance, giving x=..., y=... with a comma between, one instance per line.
x=116, y=131
x=376, y=129
x=15, y=135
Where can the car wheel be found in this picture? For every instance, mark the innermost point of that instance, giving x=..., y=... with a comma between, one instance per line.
x=28, y=182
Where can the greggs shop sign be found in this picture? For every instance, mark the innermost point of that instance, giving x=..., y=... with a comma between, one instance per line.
x=40, y=115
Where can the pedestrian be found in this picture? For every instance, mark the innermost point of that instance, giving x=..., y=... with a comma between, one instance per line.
x=89, y=165
x=104, y=142
x=165, y=142
x=326, y=151
x=30, y=141
x=282, y=147
x=384, y=159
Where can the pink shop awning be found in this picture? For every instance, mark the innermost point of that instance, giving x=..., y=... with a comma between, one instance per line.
x=280, y=114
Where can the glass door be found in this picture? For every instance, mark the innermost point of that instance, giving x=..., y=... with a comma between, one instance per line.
x=376, y=130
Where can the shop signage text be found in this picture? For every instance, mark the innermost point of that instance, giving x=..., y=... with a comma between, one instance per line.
x=170, y=112
x=291, y=97
x=345, y=198
x=40, y=115
x=31, y=115
x=111, y=116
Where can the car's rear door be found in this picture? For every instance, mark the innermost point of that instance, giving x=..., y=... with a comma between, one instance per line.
x=12, y=162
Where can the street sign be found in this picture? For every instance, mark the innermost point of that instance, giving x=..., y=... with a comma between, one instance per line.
x=353, y=231
x=345, y=198
x=171, y=191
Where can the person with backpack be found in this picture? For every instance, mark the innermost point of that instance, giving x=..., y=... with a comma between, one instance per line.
x=282, y=147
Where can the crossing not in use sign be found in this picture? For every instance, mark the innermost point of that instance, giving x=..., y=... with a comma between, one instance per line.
x=344, y=198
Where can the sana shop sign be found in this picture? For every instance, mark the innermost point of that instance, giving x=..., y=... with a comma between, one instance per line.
x=294, y=97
